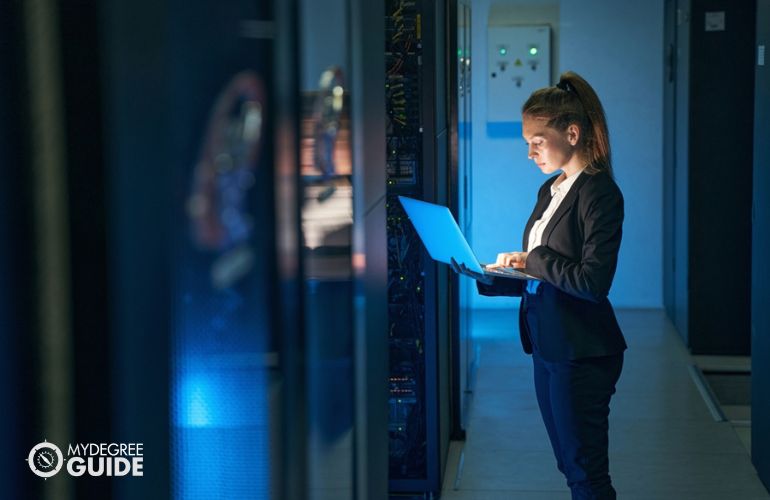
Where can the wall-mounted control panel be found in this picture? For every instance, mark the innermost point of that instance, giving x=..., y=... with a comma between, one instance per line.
x=519, y=62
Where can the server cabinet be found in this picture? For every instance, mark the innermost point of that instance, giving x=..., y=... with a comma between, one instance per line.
x=708, y=209
x=343, y=259
x=189, y=154
x=20, y=421
x=418, y=297
x=669, y=140
x=464, y=350
x=240, y=293
x=370, y=249
x=262, y=320
x=202, y=361
x=760, y=285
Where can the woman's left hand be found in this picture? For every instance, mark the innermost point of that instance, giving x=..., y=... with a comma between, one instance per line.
x=517, y=260
x=461, y=269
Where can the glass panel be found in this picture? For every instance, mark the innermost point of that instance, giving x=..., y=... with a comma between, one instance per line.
x=222, y=316
x=327, y=218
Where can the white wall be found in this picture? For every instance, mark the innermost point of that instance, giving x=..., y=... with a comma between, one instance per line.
x=618, y=48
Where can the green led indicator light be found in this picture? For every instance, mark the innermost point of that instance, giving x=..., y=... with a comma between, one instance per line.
x=503, y=51
x=533, y=51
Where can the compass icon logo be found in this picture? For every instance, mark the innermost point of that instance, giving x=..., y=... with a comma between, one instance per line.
x=45, y=459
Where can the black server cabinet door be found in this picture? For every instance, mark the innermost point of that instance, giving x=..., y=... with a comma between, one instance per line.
x=190, y=159
x=18, y=372
x=222, y=357
x=760, y=292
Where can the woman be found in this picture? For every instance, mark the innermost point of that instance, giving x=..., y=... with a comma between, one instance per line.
x=571, y=244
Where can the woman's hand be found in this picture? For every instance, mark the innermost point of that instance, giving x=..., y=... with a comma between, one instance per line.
x=517, y=260
x=461, y=269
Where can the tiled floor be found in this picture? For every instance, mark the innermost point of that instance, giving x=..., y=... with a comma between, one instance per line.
x=735, y=400
x=664, y=443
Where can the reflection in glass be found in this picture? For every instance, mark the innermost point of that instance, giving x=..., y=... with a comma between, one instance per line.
x=220, y=408
x=327, y=219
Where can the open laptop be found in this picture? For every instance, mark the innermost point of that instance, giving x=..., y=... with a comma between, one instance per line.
x=442, y=237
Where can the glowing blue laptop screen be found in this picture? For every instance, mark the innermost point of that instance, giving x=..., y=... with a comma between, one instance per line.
x=439, y=233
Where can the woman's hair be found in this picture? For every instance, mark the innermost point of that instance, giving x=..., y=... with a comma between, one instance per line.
x=573, y=100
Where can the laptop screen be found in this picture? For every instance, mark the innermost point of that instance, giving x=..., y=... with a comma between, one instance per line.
x=440, y=233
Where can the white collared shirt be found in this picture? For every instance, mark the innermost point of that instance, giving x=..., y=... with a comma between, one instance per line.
x=558, y=193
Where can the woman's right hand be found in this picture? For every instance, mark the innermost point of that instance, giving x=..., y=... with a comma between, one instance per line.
x=510, y=259
x=462, y=269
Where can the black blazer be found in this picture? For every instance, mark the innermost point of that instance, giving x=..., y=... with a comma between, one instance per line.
x=576, y=263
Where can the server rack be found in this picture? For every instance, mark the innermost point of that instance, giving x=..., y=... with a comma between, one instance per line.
x=464, y=350
x=417, y=148
x=194, y=365
x=695, y=113
x=21, y=419
x=760, y=290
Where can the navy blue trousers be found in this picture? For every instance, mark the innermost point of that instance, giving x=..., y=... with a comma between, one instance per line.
x=574, y=399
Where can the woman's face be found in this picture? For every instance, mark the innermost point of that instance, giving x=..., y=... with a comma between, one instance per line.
x=547, y=147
